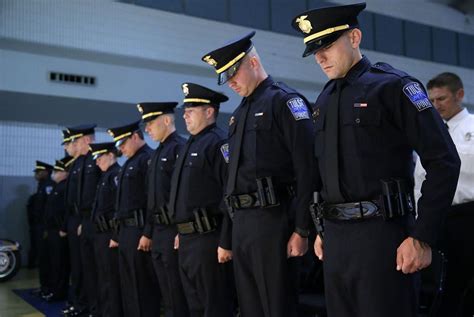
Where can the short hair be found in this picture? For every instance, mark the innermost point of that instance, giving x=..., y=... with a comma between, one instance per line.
x=216, y=110
x=140, y=134
x=450, y=80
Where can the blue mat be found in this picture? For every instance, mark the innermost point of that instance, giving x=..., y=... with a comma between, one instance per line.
x=48, y=309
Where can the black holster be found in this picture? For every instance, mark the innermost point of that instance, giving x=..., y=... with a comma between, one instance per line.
x=204, y=222
x=162, y=216
x=316, y=210
x=266, y=192
x=397, y=198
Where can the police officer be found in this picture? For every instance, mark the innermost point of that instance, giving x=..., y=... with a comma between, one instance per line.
x=105, y=244
x=269, y=185
x=368, y=119
x=80, y=192
x=36, y=209
x=139, y=286
x=196, y=206
x=446, y=92
x=159, y=122
x=58, y=259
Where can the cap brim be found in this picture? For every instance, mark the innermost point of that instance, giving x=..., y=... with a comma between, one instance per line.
x=313, y=46
x=229, y=73
x=150, y=118
x=120, y=142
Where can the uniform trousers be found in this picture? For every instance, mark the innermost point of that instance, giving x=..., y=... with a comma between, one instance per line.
x=89, y=267
x=58, y=264
x=264, y=277
x=360, y=275
x=165, y=263
x=138, y=282
x=108, y=278
x=36, y=234
x=77, y=293
x=207, y=284
x=44, y=268
x=459, y=246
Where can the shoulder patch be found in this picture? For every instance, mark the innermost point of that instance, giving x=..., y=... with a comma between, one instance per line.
x=225, y=152
x=298, y=108
x=417, y=96
x=48, y=189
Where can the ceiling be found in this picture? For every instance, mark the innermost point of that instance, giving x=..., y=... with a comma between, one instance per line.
x=465, y=6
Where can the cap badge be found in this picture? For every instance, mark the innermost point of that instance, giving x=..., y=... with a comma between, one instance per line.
x=140, y=108
x=110, y=132
x=185, y=89
x=304, y=25
x=211, y=61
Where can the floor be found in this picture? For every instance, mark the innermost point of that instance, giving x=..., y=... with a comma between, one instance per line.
x=10, y=304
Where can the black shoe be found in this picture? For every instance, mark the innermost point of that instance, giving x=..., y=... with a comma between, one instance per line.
x=35, y=292
x=54, y=298
x=46, y=297
x=79, y=313
x=67, y=310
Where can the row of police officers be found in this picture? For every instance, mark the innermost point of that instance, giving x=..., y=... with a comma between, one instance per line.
x=213, y=225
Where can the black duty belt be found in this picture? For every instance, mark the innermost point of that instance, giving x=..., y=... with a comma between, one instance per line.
x=161, y=217
x=137, y=220
x=103, y=224
x=253, y=200
x=352, y=211
x=202, y=223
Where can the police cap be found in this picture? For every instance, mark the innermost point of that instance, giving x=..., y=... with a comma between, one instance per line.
x=152, y=110
x=122, y=133
x=64, y=164
x=42, y=166
x=97, y=149
x=196, y=95
x=227, y=59
x=80, y=131
x=66, y=137
x=323, y=26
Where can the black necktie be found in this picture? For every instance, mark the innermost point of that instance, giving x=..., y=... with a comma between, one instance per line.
x=235, y=153
x=177, y=175
x=152, y=179
x=119, y=185
x=80, y=180
x=331, y=141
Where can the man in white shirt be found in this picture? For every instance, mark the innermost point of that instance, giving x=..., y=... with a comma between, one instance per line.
x=446, y=92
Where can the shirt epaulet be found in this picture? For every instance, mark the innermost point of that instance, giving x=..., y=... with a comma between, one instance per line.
x=284, y=87
x=387, y=68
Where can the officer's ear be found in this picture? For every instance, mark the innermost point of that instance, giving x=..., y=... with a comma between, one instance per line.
x=167, y=120
x=459, y=96
x=355, y=37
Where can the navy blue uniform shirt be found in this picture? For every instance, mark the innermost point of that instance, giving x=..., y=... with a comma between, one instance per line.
x=132, y=189
x=37, y=201
x=104, y=204
x=385, y=115
x=202, y=178
x=55, y=208
x=159, y=176
x=276, y=141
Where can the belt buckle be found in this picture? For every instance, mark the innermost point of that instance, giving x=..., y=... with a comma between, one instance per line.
x=246, y=201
